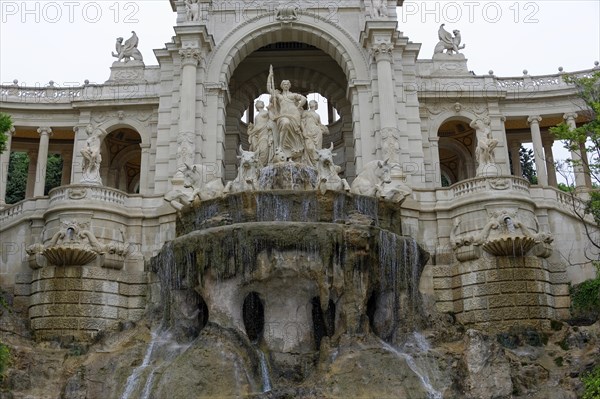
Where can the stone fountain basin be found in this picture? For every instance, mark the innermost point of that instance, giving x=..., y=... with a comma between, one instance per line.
x=69, y=255
x=290, y=206
x=509, y=245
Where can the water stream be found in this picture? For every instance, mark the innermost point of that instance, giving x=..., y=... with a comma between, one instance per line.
x=432, y=393
x=264, y=370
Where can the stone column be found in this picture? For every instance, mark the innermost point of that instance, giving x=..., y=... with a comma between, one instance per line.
x=186, y=138
x=42, y=161
x=390, y=144
x=550, y=163
x=515, y=157
x=31, y=175
x=4, y=163
x=144, y=167
x=538, y=150
x=67, y=168
x=578, y=168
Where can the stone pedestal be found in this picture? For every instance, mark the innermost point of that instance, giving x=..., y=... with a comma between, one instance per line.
x=450, y=64
x=131, y=72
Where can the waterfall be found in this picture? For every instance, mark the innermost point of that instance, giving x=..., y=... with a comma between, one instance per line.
x=133, y=379
x=161, y=352
x=432, y=393
x=264, y=370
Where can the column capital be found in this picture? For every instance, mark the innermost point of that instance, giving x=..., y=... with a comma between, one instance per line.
x=45, y=130
x=570, y=115
x=534, y=119
x=382, y=51
x=190, y=56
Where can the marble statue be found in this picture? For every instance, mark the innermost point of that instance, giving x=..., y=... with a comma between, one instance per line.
x=192, y=10
x=371, y=180
x=92, y=157
x=128, y=50
x=286, y=110
x=248, y=171
x=486, y=144
x=313, y=131
x=202, y=181
x=327, y=172
x=450, y=44
x=260, y=135
x=378, y=9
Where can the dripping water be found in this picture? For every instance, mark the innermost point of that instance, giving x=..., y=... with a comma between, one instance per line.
x=264, y=370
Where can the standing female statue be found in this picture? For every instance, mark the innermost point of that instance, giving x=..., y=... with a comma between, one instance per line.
x=286, y=111
x=260, y=135
x=313, y=130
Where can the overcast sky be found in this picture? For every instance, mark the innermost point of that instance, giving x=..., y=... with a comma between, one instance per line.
x=70, y=41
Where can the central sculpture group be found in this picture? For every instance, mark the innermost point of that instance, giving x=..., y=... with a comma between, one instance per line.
x=285, y=131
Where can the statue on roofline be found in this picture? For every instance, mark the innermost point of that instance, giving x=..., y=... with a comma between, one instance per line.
x=128, y=50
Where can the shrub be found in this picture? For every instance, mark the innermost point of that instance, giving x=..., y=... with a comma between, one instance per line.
x=591, y=383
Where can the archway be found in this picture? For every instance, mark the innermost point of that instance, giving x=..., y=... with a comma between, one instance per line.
x=457, y=143
x=121, y=160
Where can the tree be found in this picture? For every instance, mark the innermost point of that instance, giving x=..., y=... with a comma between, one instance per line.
x=586, y=136
x=527, y=164
x=5, y=125
x=17, y=177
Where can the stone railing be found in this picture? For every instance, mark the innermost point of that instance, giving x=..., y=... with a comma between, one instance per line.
x=569, y=202
x=89, y=92
x=83, y=192
x=10, y=212
x=543, y=82
x=482, y=184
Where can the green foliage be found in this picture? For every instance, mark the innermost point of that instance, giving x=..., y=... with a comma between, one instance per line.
x=17, y=177
x=586, y=135
x=585, y=297
x=53, y=172
x=565, y=188
x=5, y=125
x=591, y=383
x=527, y=164
x=5, y=358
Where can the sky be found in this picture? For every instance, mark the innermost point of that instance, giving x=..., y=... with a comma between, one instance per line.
x=71, y=41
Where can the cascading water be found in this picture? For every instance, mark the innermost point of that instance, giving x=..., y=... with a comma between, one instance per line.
x=162, y=350
x=432, y=393
x=264, y=370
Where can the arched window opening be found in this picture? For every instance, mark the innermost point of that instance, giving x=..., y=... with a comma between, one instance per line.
x=456, y=152
x=121, y=160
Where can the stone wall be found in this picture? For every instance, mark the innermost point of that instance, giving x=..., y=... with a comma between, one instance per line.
x=80, y=300
x=496, y=293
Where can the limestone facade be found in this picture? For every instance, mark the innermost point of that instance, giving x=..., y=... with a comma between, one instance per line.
x=188, y=109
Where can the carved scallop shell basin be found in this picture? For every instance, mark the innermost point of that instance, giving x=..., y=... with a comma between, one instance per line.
x=69, y=255
x=292, y=250
x=509, y=245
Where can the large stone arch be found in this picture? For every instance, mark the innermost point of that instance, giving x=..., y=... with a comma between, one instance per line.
x=263, y=30
x=259, y=32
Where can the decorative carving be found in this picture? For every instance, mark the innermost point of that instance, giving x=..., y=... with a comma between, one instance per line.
x=76, y=245
x=128, y=50
x=327, y=172
x=77, y=193
x=382, y=50
x=92, y=157
x=287, y=13
x=185, y=149
x=390, y=144
x=449, y=43
x=511, y=237
x=189, y=56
